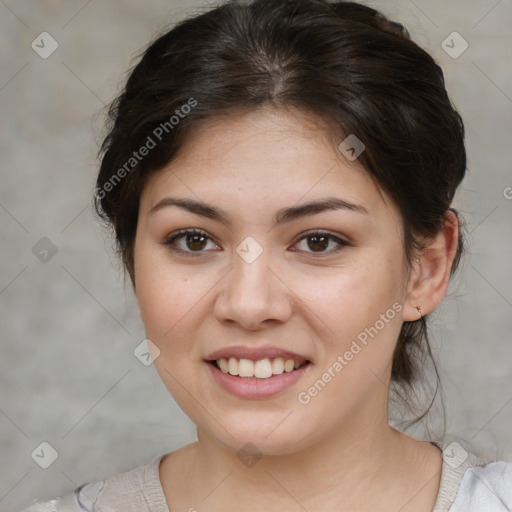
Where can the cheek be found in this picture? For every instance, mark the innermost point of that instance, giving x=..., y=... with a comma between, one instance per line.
x=353, y=298
x=171, y=298
x=361, y=307
x=162, y=295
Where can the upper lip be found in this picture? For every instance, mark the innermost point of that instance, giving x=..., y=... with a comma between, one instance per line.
x=254, y=353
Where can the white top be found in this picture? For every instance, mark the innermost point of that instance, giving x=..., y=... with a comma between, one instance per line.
x=474, y=485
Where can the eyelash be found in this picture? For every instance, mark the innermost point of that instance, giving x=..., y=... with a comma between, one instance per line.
x=169, y=241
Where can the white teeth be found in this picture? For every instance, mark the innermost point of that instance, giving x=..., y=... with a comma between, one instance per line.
x=288, y=365
x=262, y=369
x=223, y=365
x=278, y=366
x=245, y=368
x=233, y=366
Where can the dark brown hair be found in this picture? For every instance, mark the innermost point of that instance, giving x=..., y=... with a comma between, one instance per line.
x=342, y=61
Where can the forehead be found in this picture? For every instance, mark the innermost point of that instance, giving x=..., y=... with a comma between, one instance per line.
x=261, y=158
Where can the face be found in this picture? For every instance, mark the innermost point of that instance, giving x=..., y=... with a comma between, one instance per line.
x=260, y=279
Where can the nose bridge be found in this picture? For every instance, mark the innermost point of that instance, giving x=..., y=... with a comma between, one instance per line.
x=251, y=279
x=252, y=293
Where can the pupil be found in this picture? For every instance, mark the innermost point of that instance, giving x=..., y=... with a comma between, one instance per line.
x=194, y=241
x=324, y=244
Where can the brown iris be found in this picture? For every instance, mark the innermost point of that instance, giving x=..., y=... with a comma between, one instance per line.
x=196, y=241
x=322, y=242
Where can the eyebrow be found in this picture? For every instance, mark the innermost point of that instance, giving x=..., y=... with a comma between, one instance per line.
x=283, y=215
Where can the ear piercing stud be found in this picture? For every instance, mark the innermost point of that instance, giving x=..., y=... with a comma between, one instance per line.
x=419, y=310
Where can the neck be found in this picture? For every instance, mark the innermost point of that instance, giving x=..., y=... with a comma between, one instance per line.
x=350, y=469
x=354, y=463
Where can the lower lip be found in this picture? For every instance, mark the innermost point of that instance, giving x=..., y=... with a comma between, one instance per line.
x=252, y=387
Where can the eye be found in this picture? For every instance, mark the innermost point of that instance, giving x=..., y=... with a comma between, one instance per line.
x=192, y=242
x=188, y=242
x=318, y=241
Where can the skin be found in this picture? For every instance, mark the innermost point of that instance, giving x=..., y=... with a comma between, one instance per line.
x=336, y=452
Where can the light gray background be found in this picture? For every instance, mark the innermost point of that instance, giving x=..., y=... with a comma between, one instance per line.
x=69, y=327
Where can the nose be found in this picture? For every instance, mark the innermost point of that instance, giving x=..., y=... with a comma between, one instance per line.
x=254, y=295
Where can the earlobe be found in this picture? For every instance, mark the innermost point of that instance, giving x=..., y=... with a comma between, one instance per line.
x=430, y=276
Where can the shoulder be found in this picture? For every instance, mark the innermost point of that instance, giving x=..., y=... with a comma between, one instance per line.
x=471, y=483
x=137, y=490
x=485, y=488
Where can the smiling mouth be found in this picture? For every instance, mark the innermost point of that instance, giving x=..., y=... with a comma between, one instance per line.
x=261, y=369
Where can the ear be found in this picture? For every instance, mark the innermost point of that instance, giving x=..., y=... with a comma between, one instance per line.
x=430, y=274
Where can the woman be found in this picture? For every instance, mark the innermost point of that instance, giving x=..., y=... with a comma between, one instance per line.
x=279, y=176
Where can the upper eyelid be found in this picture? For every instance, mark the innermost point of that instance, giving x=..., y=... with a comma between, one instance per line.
x=188, y=231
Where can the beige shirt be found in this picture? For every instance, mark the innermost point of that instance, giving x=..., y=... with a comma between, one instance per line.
x=472, y=485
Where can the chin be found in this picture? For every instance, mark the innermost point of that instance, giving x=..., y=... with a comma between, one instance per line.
x=263, y=434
